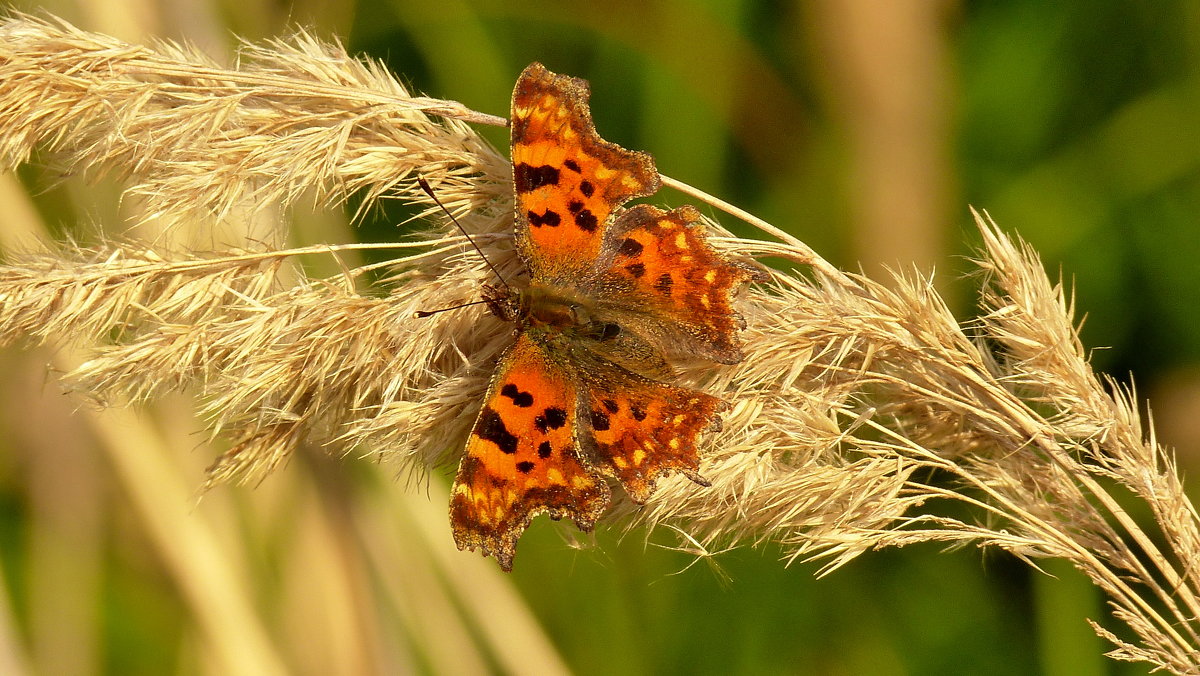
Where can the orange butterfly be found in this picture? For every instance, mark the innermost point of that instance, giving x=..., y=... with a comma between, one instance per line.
x=581, y=396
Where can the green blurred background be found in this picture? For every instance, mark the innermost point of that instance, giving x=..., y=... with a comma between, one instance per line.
x=865, y=127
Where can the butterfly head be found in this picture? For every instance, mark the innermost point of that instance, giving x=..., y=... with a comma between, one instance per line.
x=502, y=302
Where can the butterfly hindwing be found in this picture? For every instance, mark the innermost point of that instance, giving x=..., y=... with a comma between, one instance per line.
x=639, y=430
x=658, y=264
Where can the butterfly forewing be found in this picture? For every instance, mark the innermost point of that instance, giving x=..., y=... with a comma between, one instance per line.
x=568, y=180
x=522, y=458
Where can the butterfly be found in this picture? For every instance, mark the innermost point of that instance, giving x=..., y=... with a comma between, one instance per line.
x=584, y=394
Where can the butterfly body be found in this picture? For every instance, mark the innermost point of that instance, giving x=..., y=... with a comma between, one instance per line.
x=583, y=395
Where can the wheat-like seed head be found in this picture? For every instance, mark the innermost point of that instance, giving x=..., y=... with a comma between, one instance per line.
x=294, y=116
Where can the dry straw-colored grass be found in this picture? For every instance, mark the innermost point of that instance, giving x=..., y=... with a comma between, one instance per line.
x=862, y=408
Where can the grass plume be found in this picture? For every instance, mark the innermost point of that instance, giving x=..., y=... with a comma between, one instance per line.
x=859, y=408
x=293, y=117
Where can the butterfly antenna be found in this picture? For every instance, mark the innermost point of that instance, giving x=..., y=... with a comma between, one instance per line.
x=429, y=191
x=428, y=313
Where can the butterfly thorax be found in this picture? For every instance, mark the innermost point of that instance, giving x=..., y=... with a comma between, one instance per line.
x=557, y=309
x=550, y=310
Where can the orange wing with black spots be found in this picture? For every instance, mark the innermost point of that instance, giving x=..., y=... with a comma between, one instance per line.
x=659, y=264
x=522, y=458
x=581, y=396
x=568, y=180
x=642, y=429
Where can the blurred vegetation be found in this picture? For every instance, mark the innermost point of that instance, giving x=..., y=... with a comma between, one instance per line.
x=865, y=128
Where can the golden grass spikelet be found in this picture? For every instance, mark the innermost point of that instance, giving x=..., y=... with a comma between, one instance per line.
x=860, y=410
x=84, y=295
x=293, y=117
x=274, y=366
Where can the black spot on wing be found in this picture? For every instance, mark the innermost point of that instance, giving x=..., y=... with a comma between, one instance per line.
x=664, y=283
x=638, y=413
x=519, y=398
x=631, y=247
x=491, y=428
x=587, y=188
x=600, y=421
x=544, y=449
x=572, y=165
x=586, y=220
x=529, y=178
x=551, y=419
x=524, y=467
x=637, y=269
x=550, y=218
x=610, y=406
x=555, y=417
